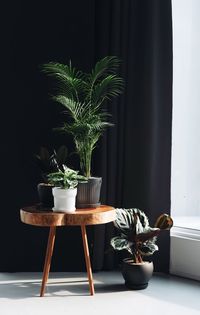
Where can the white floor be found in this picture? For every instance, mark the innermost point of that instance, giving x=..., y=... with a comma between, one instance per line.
x=67, y=293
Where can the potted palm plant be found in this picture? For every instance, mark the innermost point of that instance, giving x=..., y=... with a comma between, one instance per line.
x=83, y=96
x=49, y=162
x=65, y=183
x=139, y=239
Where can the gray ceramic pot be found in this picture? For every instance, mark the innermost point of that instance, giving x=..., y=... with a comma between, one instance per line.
x=136, y=276
x=88, y=194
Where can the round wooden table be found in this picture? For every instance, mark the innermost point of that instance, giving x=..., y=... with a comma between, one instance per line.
x=34, y=215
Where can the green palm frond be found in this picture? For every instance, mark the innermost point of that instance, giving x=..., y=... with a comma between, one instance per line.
x=100, y=125
x=102, y=69
x=82, y=131
x=106, y=65
x=75, y=108
x=56, y=68
x=111, y=86
x=82, y=95
x=68, y=81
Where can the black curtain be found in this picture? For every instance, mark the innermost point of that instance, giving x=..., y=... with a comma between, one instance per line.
x=133, y=157
x=34, y=32
x=136, y=153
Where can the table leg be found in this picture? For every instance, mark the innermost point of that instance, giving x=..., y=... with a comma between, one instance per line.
x=49, y=253
x=87, y=258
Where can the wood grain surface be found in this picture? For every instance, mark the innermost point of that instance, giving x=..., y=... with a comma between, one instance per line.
x=35, y=215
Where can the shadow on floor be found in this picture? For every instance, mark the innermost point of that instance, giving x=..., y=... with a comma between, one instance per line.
x=170, y=290
x=29, y=289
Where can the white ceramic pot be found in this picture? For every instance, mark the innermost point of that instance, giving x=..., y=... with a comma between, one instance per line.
x=64, y=199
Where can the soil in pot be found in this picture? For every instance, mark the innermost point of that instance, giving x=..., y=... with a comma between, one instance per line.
x=88, y=193
x=136, y=276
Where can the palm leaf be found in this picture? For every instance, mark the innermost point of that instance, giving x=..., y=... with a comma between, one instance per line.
x=74, y=108
x=111, y=86
x=106, y=65
x=82, y=95
x=103, y=68
x=68, y=80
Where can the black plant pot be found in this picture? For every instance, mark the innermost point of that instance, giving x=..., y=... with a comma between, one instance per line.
x=88, y=193
x=45, y=195
x=136, y=276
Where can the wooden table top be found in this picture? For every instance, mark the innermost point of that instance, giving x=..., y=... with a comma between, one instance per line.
x=34, y=215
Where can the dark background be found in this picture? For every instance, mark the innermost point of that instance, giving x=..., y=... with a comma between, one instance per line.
x=133, y=157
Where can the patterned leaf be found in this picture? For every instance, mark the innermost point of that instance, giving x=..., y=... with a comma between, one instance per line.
x=164, y=222
x=119, y=243
x=148, y=248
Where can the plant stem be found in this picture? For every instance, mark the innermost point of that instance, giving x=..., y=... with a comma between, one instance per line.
x=139, y=258
x=88, y=158
x=85, y=160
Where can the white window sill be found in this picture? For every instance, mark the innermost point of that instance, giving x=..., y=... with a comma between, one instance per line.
x=186, y=227
x=185, y=247
x=187, y=222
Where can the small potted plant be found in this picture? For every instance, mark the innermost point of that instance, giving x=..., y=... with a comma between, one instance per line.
x=49, y=162
x=65, y=190
x=139, y=239
x=83, y=96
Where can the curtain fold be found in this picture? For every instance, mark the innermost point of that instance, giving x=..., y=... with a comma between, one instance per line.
x=135, y=155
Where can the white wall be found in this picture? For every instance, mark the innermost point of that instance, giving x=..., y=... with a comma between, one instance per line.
x=185, y=182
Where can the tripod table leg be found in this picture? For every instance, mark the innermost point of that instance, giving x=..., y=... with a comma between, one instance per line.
x=49, y=253
x=87, y=258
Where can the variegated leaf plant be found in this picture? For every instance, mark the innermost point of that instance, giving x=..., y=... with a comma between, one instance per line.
x=135, y=234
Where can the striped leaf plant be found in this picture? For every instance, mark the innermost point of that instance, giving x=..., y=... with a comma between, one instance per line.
x=135, y=234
